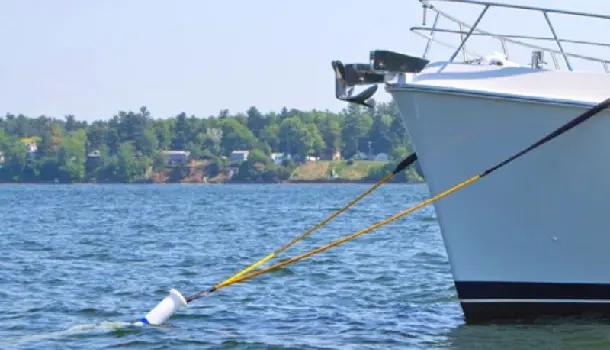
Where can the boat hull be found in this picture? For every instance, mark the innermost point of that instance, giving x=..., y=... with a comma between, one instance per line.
x=531, y=239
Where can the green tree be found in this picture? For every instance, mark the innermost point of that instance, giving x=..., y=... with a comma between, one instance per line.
x=163, y=132
x=178, y=173
x=381, y=133
x=256, y=121
x=355, y=129
x=211, y=140
x=236, y=136
x=317, y=142
x=147, y=142
x=113, y=141
x=181, y=131
x=330, y=129
x=215, y=167
x=254, y=168
x=46, y=146
x=295, y=137
x=269, y=135
x=14, y=153
x=128, y=168
x=71, y=158
x=159, y=161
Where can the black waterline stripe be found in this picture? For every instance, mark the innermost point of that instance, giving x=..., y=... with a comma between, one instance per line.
x=532, y=290
x=515, y=311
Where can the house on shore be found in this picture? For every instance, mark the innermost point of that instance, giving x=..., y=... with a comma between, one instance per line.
x=94, y=159
x=278, y=158
x=176, y=157
x=381, y=157
x=31, y=149
x=239, y=156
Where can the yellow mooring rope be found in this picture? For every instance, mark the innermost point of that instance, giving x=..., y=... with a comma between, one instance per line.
x=244, y=275
x=352, y=236
x=308, y=232
x=400, y=167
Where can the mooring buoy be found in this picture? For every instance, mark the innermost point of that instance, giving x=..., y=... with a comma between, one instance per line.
x=165, y=309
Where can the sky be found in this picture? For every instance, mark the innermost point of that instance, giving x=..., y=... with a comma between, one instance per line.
x=95, y=58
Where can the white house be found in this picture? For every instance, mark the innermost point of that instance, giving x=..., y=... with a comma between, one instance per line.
x=176, y=157
x=239, y=156
x=278, y=158
x=32, y=148
x=381, y=157
x=360, y=155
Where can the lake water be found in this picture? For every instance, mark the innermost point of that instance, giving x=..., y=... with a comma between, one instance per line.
x=80, y=264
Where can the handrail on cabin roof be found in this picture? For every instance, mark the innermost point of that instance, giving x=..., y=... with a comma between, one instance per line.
x=508, y=38
x=520, y=7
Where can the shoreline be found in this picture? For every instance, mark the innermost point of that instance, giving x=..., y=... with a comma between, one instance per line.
x=294, y=182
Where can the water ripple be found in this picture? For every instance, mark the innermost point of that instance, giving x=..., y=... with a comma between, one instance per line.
x=82, y=263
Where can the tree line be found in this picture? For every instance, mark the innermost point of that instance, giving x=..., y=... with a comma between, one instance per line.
x=130, y=142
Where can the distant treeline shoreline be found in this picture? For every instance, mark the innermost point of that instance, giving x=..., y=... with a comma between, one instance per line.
x=356, y=145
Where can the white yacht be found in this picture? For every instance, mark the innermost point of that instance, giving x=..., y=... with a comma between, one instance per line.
x=532, y=239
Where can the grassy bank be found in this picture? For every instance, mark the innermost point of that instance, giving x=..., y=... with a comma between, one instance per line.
x=340, y=170
x=324, y=171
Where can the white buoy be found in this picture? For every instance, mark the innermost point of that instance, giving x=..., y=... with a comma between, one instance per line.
x=165, y=309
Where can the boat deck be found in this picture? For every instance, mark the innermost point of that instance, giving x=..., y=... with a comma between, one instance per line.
x=514, y=82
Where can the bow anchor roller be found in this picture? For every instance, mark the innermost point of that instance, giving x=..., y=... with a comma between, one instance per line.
x=383, y=66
